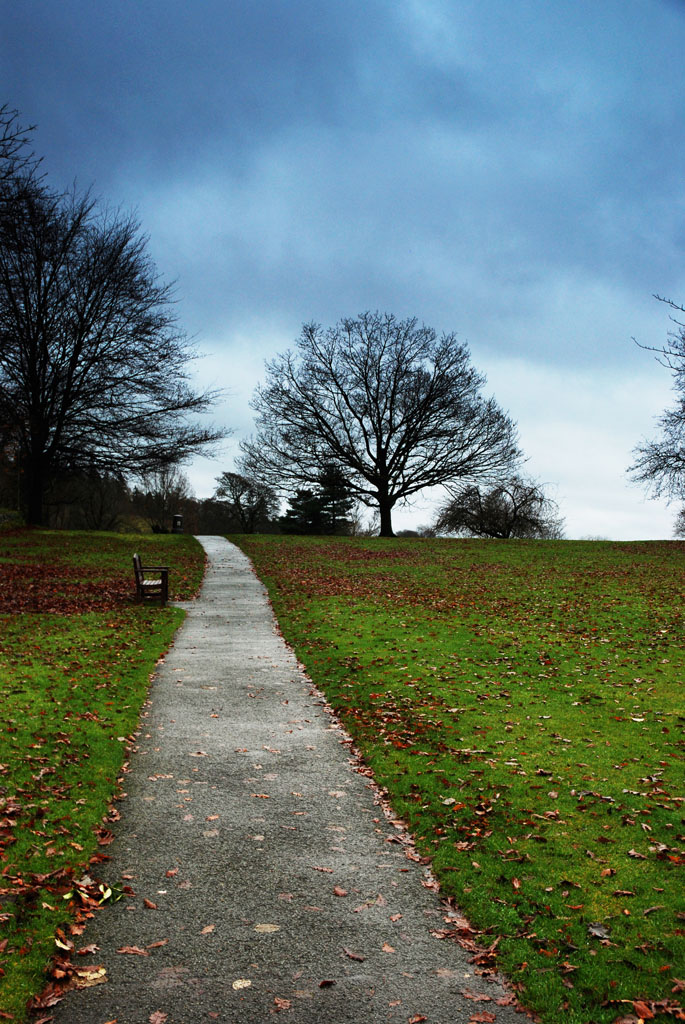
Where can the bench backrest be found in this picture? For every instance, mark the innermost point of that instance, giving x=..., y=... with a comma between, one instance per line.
x=137, y=568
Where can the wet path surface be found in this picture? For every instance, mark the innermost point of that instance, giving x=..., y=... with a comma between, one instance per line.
x=275, y=882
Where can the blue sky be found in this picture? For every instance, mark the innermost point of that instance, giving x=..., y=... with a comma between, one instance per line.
x=511, y=171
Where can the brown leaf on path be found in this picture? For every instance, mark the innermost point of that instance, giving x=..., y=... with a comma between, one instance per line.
x=317, y=867
x=482, y=1018
x=477, y=997
x=158, y=1017
x=417, y=1018
x=261, y=796
x=199, y=753
x=395, y=917
x=282, y=1004
x=171, y=872
x=339, y=891
x=387, y=948
x=84, y=950
x=207, y=929
x=353, y=956
x=86, y=977
x=156, y=945
x=133, y=949
x=149, y=904
x=326, y=983
x=505, y=1000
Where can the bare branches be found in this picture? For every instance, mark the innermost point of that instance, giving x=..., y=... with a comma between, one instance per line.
x=396, y=408
x=93, y=366
x=510, y=508
x=660, y=464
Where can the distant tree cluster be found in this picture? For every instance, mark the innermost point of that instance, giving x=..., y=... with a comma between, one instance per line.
x=93, y=366
x=511, y=508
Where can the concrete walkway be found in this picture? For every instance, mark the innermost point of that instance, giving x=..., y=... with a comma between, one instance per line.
x=265, y=877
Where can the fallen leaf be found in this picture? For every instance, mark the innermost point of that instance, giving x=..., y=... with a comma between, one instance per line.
x=353, y=956
x=477, y=997
x=149, y=904
x=339, y=891
x=417, y=1018
x=199, y=753
x=241, y=983
x=395, y=917
x=133, y=949
x=171, y=872
x=86, y=977
x=282, y=1004
x=482, y=1018
x=207, y=929
x=387, y=948
x=156, y=945
x=87, y=949
x=317, y=867
x=326, y=983
x=267, y=929
x=158, y=1017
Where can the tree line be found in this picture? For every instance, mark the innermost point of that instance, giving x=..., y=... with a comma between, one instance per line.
x=96, y=399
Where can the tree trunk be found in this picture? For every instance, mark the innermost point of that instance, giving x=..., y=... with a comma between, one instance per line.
x=35, y=483
x=386, y=519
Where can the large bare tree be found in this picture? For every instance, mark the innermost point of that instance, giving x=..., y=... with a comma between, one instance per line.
x=93, y=366
x=660, y=464
x=392, y=405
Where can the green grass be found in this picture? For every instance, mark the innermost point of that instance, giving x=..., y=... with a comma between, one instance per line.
x=75, y=659
x=520, y=702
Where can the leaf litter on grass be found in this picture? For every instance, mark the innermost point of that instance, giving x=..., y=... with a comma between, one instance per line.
x=519, y=702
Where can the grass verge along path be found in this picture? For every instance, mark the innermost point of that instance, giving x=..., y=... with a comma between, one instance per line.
x=75, y=658
x=520, y=702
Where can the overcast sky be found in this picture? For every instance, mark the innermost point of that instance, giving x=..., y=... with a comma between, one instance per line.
x=510, y=170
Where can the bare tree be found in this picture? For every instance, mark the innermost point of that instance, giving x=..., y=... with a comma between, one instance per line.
x=250, y=502
x=660, y=464
x=511, y=508
x=163, y=493
x=93, y=370
x=393, y=406
x=16, y=157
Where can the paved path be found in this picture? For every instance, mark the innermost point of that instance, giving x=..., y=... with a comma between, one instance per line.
x=245, y=825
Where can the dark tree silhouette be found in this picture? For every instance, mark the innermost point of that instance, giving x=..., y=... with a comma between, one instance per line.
x=17, y=160
x=93, y=368
x=511, y=508
x=248, y=501
x=395, y=408
x=660, y=464
x=324, y=509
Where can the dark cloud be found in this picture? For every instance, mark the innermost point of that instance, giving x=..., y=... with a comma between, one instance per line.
x=511, y=171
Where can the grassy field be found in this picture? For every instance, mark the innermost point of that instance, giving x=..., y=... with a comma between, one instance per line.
x=75, y=658
x=520, y=702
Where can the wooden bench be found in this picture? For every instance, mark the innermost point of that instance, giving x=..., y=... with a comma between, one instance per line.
x=151, y=589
